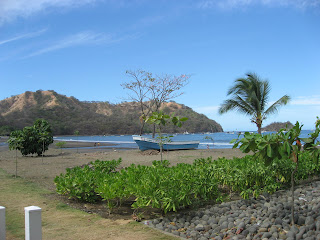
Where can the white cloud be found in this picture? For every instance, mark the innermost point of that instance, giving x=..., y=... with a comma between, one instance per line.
x=23, y=36
x=309, y=100
x=229, y=4
x=80, y=39
x=12, y=9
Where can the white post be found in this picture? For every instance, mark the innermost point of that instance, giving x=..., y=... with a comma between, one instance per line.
x=33, y=229
x=2, y=223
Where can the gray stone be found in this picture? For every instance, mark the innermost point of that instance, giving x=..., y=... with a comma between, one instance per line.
x=240, y=225
x=294, y=229
x=291, y=234
x=159, y=226
x=253, y=229
x=230, y=225
x=263, y=230
x=205, y=217
x=266, y=224
x=199, y=227
x=267, y=205
x=203, y=238
x=275, y=235
x=176, y=233
x=155, y=221
x=282, y=235
x=267, y=235
x=278, y=221
x=273, y=229
x=309, y=220
x=224, y=225
x=318, y=225
x=301, y=220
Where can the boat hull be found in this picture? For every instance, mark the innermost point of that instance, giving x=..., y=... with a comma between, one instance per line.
x=148, y=143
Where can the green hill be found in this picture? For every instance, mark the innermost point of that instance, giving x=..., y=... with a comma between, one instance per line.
x=276, y=126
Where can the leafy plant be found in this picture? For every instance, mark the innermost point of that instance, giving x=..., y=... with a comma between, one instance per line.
x=281, y=146
x=34, y=139
x=81, y=182
x=16, y=143
x=160, y=119
x=61, y=145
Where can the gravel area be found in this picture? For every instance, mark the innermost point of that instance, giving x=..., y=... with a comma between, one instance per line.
x=268, y=217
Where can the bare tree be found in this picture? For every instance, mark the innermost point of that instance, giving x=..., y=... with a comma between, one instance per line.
x=139, y=87
x=165, y=88
x=151, y=92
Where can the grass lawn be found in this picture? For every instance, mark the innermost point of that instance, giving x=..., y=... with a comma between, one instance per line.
x=59, y=221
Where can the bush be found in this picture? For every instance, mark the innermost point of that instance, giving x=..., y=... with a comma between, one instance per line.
x=34, y=139
x=173, y=188
x=81, y=182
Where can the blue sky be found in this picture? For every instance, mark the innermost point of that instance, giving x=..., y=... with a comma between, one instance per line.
x=82, y=48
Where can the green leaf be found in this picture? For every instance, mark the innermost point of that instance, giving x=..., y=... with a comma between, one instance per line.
x=233, y=140
x=269, y=151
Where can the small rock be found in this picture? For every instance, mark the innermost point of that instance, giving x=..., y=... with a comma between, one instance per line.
x=309, y=220
x=278, y=221
x=199, y=228
x=301, y=220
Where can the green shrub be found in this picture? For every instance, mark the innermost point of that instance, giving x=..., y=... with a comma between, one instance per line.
x=81, y=182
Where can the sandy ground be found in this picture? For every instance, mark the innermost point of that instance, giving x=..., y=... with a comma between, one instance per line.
x=55, y=161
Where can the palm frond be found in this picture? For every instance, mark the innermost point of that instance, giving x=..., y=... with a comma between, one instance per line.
x=274, y=107
x=236, y=104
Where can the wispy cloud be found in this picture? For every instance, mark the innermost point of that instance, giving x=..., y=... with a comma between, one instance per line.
x=12, y=9
x=23, y=36
x=79, y=39
x=307, y=100
x=230, y=4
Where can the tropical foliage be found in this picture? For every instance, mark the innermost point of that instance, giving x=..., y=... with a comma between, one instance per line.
x=250, y=96
x=284, y=146
x=31, y=140
x=158, y=186
x=160, y=120
x=171, y=188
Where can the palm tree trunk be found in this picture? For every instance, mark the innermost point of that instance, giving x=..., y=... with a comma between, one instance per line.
x=259, y=129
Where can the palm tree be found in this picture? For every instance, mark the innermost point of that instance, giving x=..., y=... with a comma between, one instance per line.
x=250, y=96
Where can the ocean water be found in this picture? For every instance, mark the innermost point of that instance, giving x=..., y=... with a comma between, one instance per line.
x=220, y=139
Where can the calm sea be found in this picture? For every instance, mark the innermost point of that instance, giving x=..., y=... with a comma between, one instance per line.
x=219, y=140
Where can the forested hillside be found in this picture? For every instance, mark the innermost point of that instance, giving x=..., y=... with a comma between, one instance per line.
x=68, y=114
x=276, y=126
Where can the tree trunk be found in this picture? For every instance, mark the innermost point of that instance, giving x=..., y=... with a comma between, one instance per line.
x=259, y=129
x=154, y=131
x=16, y=164
x=42, y=150
x=141, y=128
x=292, y=191
x=258, y=121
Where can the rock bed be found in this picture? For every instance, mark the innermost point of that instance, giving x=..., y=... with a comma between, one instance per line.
x=268, y=217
